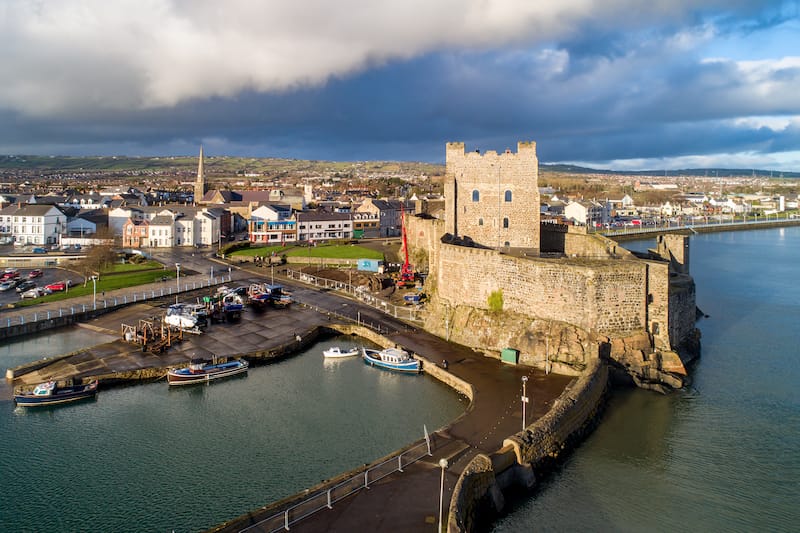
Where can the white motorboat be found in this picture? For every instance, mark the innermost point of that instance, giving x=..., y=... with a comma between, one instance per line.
x=335, y=351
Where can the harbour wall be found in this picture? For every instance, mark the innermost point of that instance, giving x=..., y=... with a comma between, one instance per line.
x=528, y=453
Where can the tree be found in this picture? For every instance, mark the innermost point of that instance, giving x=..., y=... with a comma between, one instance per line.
x=98, y=259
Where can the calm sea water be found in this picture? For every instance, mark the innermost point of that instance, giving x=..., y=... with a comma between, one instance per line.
x=722, y=455
x=150, y=458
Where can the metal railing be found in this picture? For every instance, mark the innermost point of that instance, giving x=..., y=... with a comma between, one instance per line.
x=409, y=313
x=93, y=303
x=324, y=498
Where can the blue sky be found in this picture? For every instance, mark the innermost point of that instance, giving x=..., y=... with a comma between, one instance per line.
x=615, y=84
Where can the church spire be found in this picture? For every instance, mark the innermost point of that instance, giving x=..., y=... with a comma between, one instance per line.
x=200, y=183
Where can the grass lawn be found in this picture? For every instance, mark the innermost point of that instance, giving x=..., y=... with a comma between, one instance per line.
x=325, y=251
x=118, y=277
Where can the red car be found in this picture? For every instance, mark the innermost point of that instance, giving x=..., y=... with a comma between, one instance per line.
x=10, y=273
x=35, y=273
x=58, y=286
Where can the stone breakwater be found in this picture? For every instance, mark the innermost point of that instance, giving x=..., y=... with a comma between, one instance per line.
x=529, y=452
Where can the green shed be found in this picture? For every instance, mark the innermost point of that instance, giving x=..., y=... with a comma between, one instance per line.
x=509, y=355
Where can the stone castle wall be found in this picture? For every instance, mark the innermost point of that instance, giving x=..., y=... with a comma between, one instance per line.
x=493, y=198
x=602, y=296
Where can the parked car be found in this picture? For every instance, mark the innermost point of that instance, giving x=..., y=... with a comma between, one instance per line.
x=39, y=250
x=9, y=273
x=58, y=286
x=8, y=285
x=33, y=293
x=35, y=273
x=26, y=286
x=6, y=240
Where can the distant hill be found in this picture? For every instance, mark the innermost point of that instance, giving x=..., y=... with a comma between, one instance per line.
x=707, y=172
x=222, y=165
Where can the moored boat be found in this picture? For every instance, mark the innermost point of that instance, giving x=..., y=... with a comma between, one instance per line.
x=391, y=359
x=50, y=393
x=200, y=371
x=335, y=351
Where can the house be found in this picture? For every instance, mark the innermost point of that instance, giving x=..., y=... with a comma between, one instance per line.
x=366, y=225
x=271, y=224
x=33, y=223
x=388, y=213
x=588, y=213
x=316, y=226
x=135, y=233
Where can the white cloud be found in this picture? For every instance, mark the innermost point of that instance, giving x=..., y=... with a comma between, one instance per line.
x=79, y=56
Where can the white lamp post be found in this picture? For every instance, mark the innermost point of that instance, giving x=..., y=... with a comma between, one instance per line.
x=177, y=279
x=524, y=400
x=443, y=464
x=94, y=292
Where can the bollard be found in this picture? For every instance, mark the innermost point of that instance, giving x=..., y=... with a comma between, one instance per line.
x=35, y=317
x=115, y=301
x=48, y=315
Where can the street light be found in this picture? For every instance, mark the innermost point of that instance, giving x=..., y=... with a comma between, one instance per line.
x=177, y=279
x=443, y=464
x=524, y=400
x=94, y=292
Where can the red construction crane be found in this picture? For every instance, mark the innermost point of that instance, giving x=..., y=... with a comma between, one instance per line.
x=406, y=272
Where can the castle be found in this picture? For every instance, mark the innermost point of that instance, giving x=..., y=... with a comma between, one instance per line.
x=500, y=278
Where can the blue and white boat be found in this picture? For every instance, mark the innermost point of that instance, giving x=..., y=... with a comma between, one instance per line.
x=50, y=393
x=391, y=359
x=200, y=371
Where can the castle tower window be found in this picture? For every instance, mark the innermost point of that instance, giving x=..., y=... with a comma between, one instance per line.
x=505, y=222
x=476, y=196
x=480, y=222
x=508, y=196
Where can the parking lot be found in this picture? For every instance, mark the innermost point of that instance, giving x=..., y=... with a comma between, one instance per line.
x=50, y=275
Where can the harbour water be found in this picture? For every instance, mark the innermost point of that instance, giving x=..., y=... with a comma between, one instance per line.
x=148, y=457
x=721, y=455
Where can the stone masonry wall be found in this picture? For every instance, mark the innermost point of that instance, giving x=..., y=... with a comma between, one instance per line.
x=493, y=198
x=603, y=296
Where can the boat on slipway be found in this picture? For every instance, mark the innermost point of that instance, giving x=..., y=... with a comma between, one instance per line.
x=393, y=359
x=200, y=371
x=49, y=393
x=334, y=352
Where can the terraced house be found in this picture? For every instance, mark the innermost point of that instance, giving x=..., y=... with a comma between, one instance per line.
x=40, y=224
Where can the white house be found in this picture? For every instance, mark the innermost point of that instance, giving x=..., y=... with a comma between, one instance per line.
x=586, y=212
x=33, y=224
x=314, y=226
x=271, y=224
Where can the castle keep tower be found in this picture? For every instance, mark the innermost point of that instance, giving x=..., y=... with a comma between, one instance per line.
x=493, y=198
x=200, y=183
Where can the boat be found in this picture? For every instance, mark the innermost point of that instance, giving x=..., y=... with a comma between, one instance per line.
x=335, y=351
x=187, y=317
x=50, y=393
x=391, y=359
x=200, y=371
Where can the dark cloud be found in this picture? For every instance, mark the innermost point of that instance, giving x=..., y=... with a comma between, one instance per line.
x=600, y=90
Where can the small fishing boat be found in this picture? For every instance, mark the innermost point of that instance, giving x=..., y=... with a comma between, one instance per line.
x=391, y=359
x=200, y=371
x=50, y=393
x=335, y=351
